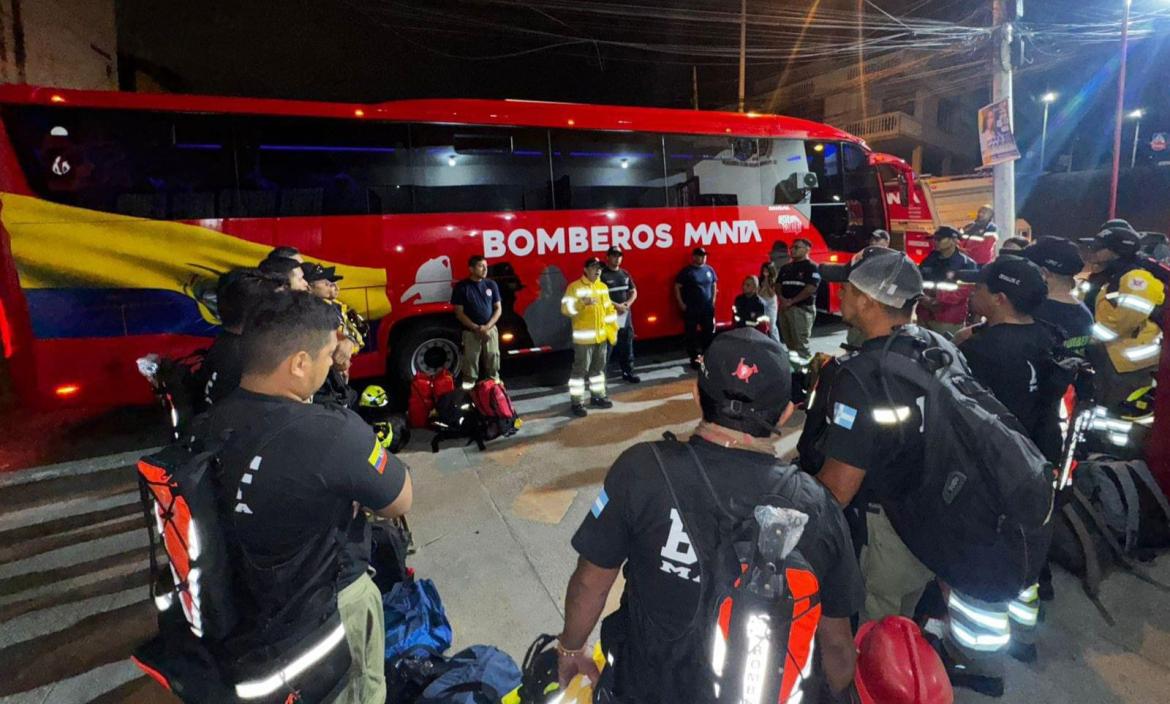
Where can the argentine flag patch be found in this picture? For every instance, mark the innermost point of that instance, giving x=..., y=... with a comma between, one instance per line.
x=844, y=416
x=599, y=504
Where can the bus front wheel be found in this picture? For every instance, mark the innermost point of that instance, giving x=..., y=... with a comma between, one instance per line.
x=429, y=348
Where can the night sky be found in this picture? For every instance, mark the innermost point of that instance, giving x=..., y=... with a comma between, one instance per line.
x=371, y=50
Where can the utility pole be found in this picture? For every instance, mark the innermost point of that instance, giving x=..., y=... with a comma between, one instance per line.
x=1003, y=175
x=742, y=55
x=695, y=87
x=1118, y=116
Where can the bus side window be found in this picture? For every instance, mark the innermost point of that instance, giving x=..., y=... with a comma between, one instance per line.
x=301, y=166
x=134, y=163
x=712, y=170
x=783, y=168
x=863, y=198
x=480, y=169
x=607, y=170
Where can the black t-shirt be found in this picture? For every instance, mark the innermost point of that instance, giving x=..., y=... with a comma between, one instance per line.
x=936, y=267
x=852, y=420
x=634, y=522
x=748, y=310
x=698, y=288
x=222, y=367
x=478, y=298
x=1015, y=362
x=620, y=283
x=291, y=472
x=795, y=276
x=1074, y=320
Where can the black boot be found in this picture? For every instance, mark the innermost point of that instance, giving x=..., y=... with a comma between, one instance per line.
x=601, y=402
x=579, y=410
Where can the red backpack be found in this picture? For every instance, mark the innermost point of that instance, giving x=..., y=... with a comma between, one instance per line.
x=425, y=390
x=421, y=401
x=493, y=404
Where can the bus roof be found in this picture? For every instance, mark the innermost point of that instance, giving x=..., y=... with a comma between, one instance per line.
x=517, y=113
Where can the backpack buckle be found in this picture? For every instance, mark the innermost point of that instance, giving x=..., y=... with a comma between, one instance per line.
x=735, y=406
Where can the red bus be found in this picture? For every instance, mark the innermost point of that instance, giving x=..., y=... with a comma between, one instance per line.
x=120, y=211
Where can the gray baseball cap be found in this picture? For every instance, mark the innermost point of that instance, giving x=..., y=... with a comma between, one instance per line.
x=885, y=275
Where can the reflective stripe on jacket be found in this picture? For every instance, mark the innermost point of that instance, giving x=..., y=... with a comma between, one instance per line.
x=592, y=323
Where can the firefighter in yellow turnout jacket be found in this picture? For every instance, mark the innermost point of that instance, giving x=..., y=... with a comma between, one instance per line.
x=587, y=303
x=1126, y=329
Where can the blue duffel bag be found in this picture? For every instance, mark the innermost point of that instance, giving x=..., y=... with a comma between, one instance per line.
x=415, y=620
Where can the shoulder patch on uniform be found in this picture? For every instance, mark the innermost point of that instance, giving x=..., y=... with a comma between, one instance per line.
x=1137, y=283
x=378, y=457
x=600, y=504
x=844, y=416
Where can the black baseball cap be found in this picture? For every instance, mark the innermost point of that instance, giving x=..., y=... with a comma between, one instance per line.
x=315, y=272
x=745, y=382
x=885, y=275
x=945, y=232
x=879, y=235
x=1015, y=277
x=593, y=261
x=613, y=251
x=1120, y=239
x=698, y=250
x=1056, y=255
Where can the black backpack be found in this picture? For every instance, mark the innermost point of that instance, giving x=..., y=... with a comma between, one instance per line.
x=979, y=519
x=749, y=597
x=456, y=416
x=176, y=384
x=1113, y=515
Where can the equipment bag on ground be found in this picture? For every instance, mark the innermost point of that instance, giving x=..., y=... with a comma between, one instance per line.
x=494, y=405
x=1114, y=514
x=415, y=620
x=979, y=518
x=425, y=391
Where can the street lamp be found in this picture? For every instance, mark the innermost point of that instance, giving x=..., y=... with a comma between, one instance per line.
x=1048, y=99
x=1137, y=128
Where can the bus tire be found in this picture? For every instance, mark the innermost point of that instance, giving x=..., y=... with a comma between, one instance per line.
x=429, y=347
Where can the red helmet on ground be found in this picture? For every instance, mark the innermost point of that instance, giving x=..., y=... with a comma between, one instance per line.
x=895, y=665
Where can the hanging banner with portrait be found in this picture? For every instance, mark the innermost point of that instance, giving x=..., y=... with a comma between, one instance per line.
x=996, y=141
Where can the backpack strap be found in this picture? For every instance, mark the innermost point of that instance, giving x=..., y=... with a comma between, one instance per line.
x=1118, y=553
x=1142, y=471
x=1091, y=584
x=1129, y=495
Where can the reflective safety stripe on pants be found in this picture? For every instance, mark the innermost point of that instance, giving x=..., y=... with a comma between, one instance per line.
x=576, y=389
x=977, y=632
x=597, y=385
x=1024, y=612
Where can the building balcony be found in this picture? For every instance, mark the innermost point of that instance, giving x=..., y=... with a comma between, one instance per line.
x=904, y=130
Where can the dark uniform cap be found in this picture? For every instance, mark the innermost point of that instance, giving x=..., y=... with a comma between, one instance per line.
x=1015, y=277
x=879, y=235
x=885, y=275
x=1120, y=239
x=593, y=261
x=1056, y=255
x=614, y=250
x=315, y=272
x=749, y=376
x=698, y=250
x=946, y=232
